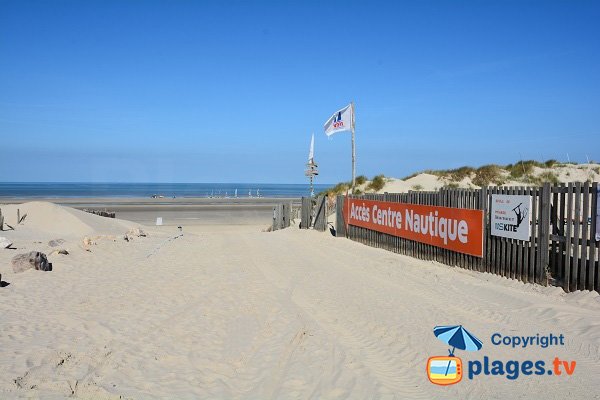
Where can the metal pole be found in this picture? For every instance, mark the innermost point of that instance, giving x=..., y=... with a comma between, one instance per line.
x=353, y=152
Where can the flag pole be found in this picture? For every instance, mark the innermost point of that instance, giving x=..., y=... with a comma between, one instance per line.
x=353, y=151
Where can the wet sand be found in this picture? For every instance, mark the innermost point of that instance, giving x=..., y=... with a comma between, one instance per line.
x=183, y=211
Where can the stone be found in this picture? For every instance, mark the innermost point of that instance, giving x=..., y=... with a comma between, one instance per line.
x=56, y=242
x=59, y=251
x=33, y=259
x=135, y=232
x=4, y=243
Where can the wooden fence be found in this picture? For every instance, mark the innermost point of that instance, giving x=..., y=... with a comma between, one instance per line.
x=282, y=216
x=562, y=250
x=102, y=213
x=314, y=213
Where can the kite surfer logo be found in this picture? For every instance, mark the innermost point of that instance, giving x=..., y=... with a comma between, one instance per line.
x=448, y=370
x=521, y=214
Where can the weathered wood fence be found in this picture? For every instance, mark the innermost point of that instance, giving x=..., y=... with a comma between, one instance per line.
x=102, y=213
x=282, y=216
x=314, y=213
x=562, y=250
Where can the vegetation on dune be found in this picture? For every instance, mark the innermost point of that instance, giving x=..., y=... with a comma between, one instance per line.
x=411, y=176
x=488, y=174
x=361, y=179
x=340, y=188
x=377, y=183
x=458, y=174
x=452, y=175
x=548, y=176
x=437, y=172
x=523, y=168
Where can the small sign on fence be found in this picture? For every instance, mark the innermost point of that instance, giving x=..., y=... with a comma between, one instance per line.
x=510, y=216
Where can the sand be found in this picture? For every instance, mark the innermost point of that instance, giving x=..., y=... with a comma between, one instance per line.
x=245, y=314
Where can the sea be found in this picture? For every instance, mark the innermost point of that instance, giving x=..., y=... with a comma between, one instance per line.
x=124, y=190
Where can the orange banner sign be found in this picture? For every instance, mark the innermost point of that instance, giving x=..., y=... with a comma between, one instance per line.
x=456, y=229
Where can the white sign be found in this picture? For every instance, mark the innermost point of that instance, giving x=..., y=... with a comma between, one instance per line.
x=158, y=221
x=341, y=120
x=510, y=216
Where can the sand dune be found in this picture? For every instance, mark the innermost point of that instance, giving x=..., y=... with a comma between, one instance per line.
x=250, y=315
x=429, y=182
x=45, y=218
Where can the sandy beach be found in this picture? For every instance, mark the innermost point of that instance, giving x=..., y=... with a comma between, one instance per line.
x=241, y=313
x=234, y=200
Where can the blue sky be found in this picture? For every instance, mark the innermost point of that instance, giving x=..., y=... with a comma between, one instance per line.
x=230, y=91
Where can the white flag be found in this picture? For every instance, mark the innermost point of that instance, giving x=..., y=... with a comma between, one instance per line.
x=342, y=120
x=311, y=153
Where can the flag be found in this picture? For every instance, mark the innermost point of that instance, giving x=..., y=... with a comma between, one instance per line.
x=342, y=120
x=311, y=153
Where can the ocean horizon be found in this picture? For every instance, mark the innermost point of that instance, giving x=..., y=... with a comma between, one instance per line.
x=128, y=190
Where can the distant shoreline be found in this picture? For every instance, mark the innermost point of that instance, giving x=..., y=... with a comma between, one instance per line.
x=178, y=211
x=154, y=191
x=168, y=201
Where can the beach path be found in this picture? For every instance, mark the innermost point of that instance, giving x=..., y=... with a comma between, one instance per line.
x=288, y=314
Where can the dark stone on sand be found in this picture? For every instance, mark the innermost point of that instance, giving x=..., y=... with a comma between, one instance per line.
x=33, y=259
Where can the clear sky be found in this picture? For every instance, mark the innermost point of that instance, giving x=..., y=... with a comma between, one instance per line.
x=230, y=91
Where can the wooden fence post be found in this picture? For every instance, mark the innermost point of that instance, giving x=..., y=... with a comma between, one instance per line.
x=593, y=250
x=277, y=216
x=305, y=213
x=321, y=214
x=287, y=214
x=486, y=226
x=340, y=224
x=544, y=239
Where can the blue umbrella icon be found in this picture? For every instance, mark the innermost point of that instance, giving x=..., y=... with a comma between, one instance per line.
x=457, y=337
